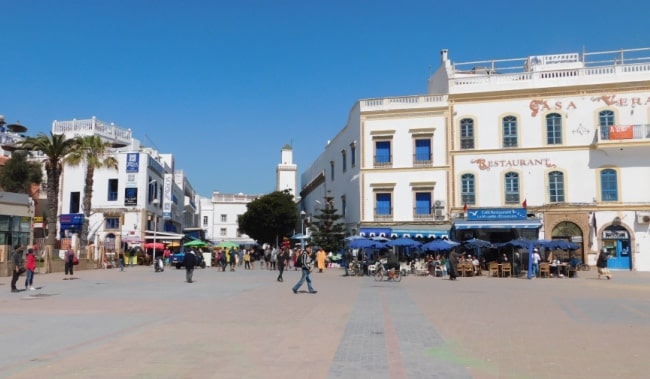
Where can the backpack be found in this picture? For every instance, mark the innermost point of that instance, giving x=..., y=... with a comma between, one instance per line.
x=298, y=261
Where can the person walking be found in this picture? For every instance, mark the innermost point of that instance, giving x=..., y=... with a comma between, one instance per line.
x=30, y=267
x=347, y=258
x=307, y=264
x=68, y=259
x=536, y=259
x=453, y=264
x=321, y=256
x=283, y=257
x=188, y=261
x=17, y=259
x=601, y=263
x=247, y=260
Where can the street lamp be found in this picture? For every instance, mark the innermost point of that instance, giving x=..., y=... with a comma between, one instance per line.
x=303, y=214
x=155, y=203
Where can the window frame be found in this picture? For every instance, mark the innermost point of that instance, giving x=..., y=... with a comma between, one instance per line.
x=468, y=190
x=389, y=156
x=553, y=128
x=112, y=193
x=466, y=132
x=511, y=187
x=556, y=188
x=606, y=118
x=510, y=132
x=610, y=189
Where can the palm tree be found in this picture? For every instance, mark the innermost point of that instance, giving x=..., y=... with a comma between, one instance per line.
x=55, y=148
x=91, y=150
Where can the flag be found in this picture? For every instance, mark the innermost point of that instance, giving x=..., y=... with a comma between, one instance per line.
x=465, y=208
x=593, y=223
x=524, y=204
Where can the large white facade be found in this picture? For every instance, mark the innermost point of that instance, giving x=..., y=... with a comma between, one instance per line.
x=220, y=215
x=143, y=197
x=564, y=135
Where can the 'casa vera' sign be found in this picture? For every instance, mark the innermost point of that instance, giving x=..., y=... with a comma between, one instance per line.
x=542, y=105
x=485, y=164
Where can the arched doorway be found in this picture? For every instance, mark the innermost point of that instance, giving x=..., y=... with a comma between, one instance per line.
x=570, y=232
x=616, y=240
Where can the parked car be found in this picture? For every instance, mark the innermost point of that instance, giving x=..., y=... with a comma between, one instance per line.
x=177, y=260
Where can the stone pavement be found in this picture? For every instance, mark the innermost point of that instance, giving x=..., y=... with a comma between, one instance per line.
x=244, y=324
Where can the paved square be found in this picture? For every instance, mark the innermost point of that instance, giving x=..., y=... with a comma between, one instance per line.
x=245, y=324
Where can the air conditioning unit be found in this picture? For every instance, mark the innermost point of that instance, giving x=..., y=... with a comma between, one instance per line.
x=439, y=212
x=643, y=217
x=439, y=204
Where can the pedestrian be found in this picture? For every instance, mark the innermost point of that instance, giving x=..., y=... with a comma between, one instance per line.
x=232, y=259
x=282, y=261
x=347, y=258
x=188, y=261
x=247, y=260
x=321, y=256
x=307, y=264
x=601, y=263
x=536, y=259
x=18, y=266
x=68, y=261
x=453, y=264
x=121, y=260
x=30, y=267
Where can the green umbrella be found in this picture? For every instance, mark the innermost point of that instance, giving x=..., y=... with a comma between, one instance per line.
x=227, y=244
x=195, y=243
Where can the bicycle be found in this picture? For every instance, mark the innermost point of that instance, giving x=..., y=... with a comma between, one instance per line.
x=392, y=274
x=579, y=265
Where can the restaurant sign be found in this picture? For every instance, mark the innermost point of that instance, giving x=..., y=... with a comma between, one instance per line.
x=496, y=214
x=615, y=235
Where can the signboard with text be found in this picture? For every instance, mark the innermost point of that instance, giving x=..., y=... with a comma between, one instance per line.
x=132, y=162
x=496, y=214
x=130, y=197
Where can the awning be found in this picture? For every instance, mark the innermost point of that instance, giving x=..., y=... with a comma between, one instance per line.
x=374, y=232
x=498, y=224
x=418, y=233
x=150, y=234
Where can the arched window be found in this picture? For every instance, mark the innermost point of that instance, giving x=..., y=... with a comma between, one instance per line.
x=509, y=131
x=467, y=133
x=554, y=129
x=511, y=185
x=467, y=189
x=605, y=120
x=608, y=185
x=556, y=187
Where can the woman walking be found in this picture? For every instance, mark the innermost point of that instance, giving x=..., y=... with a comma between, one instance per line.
x=30, y=266
x=601, y=263
x=453, y=265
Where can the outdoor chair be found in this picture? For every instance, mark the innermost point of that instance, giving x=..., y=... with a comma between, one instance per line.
x=372, y=269
x=544, y=269
x=493, y=268
x=506, y=268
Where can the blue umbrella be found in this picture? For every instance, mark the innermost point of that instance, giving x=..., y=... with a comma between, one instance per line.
x=521, y=243
x=365, y=243
x=475, y=242
x=405, y=242
x=439, y=245
x=300, y=236
x=562, y=244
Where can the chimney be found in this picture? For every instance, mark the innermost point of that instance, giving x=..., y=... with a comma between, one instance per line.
x=443, y=55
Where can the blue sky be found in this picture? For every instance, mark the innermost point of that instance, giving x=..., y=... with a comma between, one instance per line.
x=224, y=85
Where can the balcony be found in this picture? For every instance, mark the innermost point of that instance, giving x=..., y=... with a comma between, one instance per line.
x=110, y=132
x=383, y=214
x=616, y=134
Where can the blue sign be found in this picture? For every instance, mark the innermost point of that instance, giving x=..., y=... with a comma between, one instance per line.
x=132, y=162
x=496, y=214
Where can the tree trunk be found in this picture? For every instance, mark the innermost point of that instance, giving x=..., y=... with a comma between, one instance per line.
x=53, y=176
x=87, y=203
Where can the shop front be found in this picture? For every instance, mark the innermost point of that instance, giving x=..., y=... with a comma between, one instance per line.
x=616, y=242
x=496, y=225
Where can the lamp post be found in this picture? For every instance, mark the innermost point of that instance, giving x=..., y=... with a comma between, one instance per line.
x=303, y=214
x=154, y=202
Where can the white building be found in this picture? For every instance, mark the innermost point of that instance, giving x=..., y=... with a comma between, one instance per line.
x=220, y=213
x=552, y=146
x=144, y=198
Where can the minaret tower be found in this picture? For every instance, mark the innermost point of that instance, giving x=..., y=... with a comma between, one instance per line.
x=286, y=173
